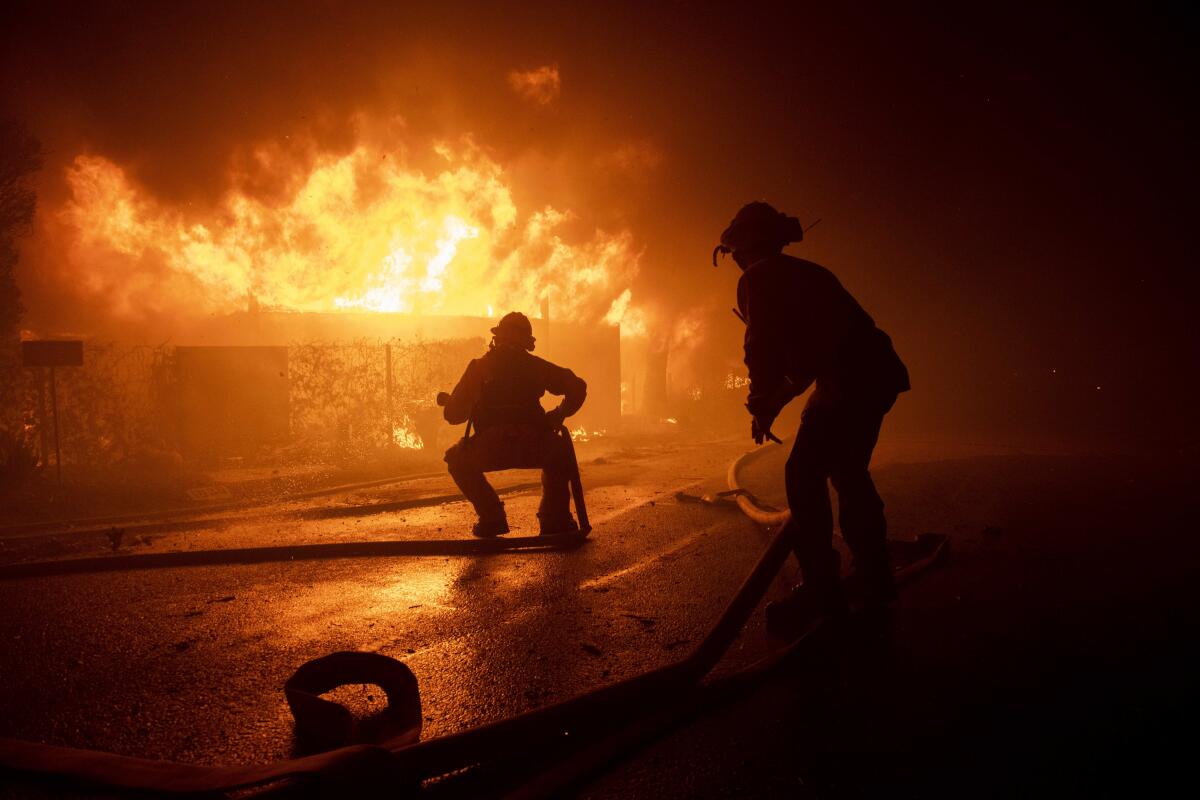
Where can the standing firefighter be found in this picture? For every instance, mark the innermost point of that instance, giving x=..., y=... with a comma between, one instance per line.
x=803, y=327
x=499, y=393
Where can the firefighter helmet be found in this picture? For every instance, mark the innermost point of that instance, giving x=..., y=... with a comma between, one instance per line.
x=515, y=327
x=758, y=224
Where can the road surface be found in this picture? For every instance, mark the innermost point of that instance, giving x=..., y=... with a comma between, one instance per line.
x=994, y=655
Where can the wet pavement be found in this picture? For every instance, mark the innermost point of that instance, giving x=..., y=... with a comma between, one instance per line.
x=188, y=664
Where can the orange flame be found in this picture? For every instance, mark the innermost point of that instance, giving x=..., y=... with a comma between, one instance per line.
x=359, y=231
x=405, y=436
x=581, y=434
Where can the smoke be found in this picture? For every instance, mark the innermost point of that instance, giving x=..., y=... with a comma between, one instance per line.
x=969, y=197
x=540, y=85
x=634, y=159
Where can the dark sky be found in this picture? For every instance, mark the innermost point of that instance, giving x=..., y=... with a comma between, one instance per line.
x=1008, y=190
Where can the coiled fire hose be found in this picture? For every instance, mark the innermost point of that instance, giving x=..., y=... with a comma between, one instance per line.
x=400, y=761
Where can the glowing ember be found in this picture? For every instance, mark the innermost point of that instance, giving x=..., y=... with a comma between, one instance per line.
x=736, y=381
x=361, y=231
x=581, y=434
x=405, y=436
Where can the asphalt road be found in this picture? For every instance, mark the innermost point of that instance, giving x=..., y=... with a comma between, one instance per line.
x=187, y=664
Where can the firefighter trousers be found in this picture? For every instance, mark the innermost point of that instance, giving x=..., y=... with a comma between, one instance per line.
x=834, y=445
x=513, y=446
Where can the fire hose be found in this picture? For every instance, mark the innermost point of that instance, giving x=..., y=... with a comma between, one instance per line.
x=390, y=548
x=303, y=552
x=655, y=698
x=576, y=482
x=308, y=552
x=172, y=516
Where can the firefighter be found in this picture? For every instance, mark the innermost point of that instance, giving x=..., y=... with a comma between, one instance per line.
x=499, y=393
x=803, y=327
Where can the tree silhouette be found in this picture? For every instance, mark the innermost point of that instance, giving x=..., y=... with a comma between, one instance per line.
x=20, y=157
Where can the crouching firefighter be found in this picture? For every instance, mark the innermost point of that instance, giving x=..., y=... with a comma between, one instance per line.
x=803, y=327
x=499, y=395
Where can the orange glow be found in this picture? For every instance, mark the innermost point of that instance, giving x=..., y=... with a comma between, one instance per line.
x=581, y=434
x=359, y=232
x=541, y=85
x=405, y=436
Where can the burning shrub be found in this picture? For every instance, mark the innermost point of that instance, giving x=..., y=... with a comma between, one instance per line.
x=125, y=407
x=351, y=400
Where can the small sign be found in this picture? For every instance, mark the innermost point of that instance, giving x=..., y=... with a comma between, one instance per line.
x=52, y=353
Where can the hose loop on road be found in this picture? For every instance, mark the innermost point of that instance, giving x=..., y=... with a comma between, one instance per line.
x=750, y=505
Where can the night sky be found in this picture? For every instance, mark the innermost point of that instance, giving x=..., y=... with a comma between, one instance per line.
x=1009, y=191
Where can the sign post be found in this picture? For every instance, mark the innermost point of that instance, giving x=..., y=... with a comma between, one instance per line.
x=52, y=353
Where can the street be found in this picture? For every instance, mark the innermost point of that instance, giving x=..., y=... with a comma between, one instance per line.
x=187, y=664
x=190, y=662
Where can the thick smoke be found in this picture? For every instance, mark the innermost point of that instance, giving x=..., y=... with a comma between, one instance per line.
x=1009, y=202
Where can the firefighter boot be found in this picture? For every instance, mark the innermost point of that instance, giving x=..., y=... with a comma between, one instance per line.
x=874, y=581
x=551, y=524
x=491, y=524
x=820, y=595
x=804, y=605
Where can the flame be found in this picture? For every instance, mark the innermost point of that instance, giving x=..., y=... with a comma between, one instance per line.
x=632, y=320
x=581, y=434
x=357, y=231
x=405, y=436
x=733, y=381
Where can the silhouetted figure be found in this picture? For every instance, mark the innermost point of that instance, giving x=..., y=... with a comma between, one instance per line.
x=803, y=327
x=499, y=393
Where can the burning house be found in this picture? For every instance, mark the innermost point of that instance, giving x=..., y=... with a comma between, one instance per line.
x=325, y=314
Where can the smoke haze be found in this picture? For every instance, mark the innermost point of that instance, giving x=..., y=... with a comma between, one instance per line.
x=1007, y=192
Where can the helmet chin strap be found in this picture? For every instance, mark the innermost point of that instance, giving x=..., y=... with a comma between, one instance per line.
x=719, y=249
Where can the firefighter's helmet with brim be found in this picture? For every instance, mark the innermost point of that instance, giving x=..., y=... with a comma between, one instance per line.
x=758, y=225
x=515, y=328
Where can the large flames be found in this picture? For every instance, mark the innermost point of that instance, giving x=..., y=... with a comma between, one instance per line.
x=355, y=231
